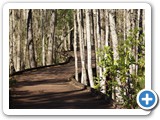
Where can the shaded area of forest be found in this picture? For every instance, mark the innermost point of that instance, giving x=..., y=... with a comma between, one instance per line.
x=41, y=37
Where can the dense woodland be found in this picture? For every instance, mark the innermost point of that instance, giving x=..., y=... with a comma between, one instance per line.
x=109, y=43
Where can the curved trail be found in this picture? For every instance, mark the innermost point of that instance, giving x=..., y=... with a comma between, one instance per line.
x=49, y=88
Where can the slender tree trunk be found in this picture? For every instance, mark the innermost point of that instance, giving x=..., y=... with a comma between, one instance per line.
x=89, y=55
x=115, y=50
x=128, y=26
x=54, y=41
x=99, y=72
x=82, y=51
x=102, y=24
x=106, y=27
x=11, y=65
x=132, y=66
x=69, y=37
x=100, y=45
x=43, y=13
x=143, y=23
x=124, y=24
x=30, y=40
x=95, y=37
x=75, y=46
x=14, y=40
x=103, y=82
x=91, y=27
x=83, y=19
x=35, y=30
x=51, y=39
x=137, y=39
x=26, y=52
x=18, y=41
x=64, y=38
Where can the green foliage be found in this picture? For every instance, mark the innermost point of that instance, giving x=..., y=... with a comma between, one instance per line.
x=64, y=16
x=131, y=82
x=97, y=83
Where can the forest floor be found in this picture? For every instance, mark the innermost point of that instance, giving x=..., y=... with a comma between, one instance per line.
x=49, y=88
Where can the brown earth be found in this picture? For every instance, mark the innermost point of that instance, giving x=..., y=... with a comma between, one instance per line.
x=50, y=88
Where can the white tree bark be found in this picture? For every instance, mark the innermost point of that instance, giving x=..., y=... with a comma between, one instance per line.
x=11, y=20
x=82, y=51
x=124, y=24
x=30, y=40
x=99, y=70
x=137, y=39
x=18, y=41
x=102, y=24
x=103, y=81
x=106, y=27
x=89, y=53
x=69, y=37
x=51, y=39
x=95, y=36
x=128, y=24
x=75, y=46
x=26, y=54
x=143, y=22
x=64, y=38
x=43, y=13
x=100, y=46
x=115, y=51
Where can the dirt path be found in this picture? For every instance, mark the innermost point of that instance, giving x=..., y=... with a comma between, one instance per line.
x=49, y=88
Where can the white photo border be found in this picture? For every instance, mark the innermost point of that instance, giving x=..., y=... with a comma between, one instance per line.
x=8, y=6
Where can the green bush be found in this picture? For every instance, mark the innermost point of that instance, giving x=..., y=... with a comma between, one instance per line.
x=131, y=82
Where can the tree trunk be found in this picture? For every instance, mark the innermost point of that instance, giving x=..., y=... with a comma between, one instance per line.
x=18, y=41
x=64, y=38
x=82, y=51
x=69, y=37
x=83, y=19
x=95, y=37
x=106, y=28
x=43, y=13
x=132, y=66
x=99, y=70
x=124, y=24
x=128, y=22
x=102, y=28
x=75, y=46
x=25, y=50
x=137, y=39
x=11, y=63
x=115, y=50
x=51, y=39
x=143, y=23
x=30, y=40
x=103, y=81
x=89, y=53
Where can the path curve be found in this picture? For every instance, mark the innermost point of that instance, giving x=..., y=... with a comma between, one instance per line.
x=49, y=88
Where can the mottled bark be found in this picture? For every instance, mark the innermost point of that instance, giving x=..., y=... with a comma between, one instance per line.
x=115, y=51
x=18, y=40
x=30, y=40
x=43, y=13
x=75, y=46
x=103, y=81
x=89, y=53
x=11, y=63
x=95, y=37
x=99, y=70
x=82, y=51
x=51, y=38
